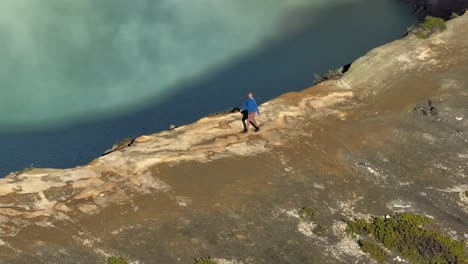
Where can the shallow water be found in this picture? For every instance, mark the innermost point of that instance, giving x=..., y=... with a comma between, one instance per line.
x=77, y=76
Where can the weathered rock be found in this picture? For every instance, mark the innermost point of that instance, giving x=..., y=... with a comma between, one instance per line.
x=348, y=147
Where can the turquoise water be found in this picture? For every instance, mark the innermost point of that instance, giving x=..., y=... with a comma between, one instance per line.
x=76, y=76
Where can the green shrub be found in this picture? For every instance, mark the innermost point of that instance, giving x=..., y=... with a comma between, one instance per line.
x=307, y=214
x=374, y=250
x=205, y=260
x=408, y=235
x=454, y=15
x=358, y=227
x=421, y=34
x=116, y=260
x=430, y=26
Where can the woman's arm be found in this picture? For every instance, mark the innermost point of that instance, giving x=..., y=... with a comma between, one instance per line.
x=245, y=107
x=256, y=106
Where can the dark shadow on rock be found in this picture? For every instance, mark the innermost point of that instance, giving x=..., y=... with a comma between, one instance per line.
x=428, y=110
x=437, y=8
x=346, y=68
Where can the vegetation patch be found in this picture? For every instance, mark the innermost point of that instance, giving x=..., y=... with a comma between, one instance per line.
x=430, y=26
x=410, y=236
x=374, y=250
x=116, y=260
x=205, y=260
x=307, y=214
x=466, y=193
x=454, y=15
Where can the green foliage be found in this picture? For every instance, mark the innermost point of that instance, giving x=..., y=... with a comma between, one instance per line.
x=374, y=250
x=358, y=227
x=307, y=214
x=116, y=260
x=454, y=15
x=430, y=26
x=203, y=260
x=421, y=34
x=434, y=24
x=406, y=234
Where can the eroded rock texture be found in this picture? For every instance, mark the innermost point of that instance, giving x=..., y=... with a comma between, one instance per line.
x=367, y=143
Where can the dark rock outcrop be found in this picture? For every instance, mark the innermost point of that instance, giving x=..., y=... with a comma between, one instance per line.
x=438, y=8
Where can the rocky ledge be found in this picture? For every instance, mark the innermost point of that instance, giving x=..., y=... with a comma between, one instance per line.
x=391, y=135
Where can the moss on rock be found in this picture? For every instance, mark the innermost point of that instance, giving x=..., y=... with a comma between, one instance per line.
x=116, y=260
x=430, y=26
x=205, y=260
x=409, y=235
x=374, y=250
x=307, y=214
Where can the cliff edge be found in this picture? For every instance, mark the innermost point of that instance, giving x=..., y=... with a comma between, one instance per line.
x=390, y=135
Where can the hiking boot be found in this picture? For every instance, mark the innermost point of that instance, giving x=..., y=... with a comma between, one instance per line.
x=245, y=131
x=257, y=129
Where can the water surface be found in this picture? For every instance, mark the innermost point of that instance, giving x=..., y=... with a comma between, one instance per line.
x=76, y=76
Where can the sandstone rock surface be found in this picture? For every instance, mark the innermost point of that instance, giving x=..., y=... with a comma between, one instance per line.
x=355, y=146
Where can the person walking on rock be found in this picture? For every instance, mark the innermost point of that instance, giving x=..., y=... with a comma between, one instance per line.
x=245, y=116
x=251, y=108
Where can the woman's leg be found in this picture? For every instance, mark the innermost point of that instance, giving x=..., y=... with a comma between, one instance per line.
x=245, y=117
x=252, y=119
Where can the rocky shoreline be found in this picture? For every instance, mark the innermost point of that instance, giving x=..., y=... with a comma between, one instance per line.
x=365, y=144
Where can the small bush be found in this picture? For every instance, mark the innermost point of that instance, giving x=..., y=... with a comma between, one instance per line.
x=407, y=234
x=306, y=214
x=454, y=15
x=430, y=26
x=358, y=227
x=374, y=250
x=116, y=260
x=205, y=260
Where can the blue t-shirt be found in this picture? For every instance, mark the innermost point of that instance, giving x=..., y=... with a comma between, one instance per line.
x=250, y=105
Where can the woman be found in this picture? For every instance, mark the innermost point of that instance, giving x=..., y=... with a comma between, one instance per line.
x=251, y=107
